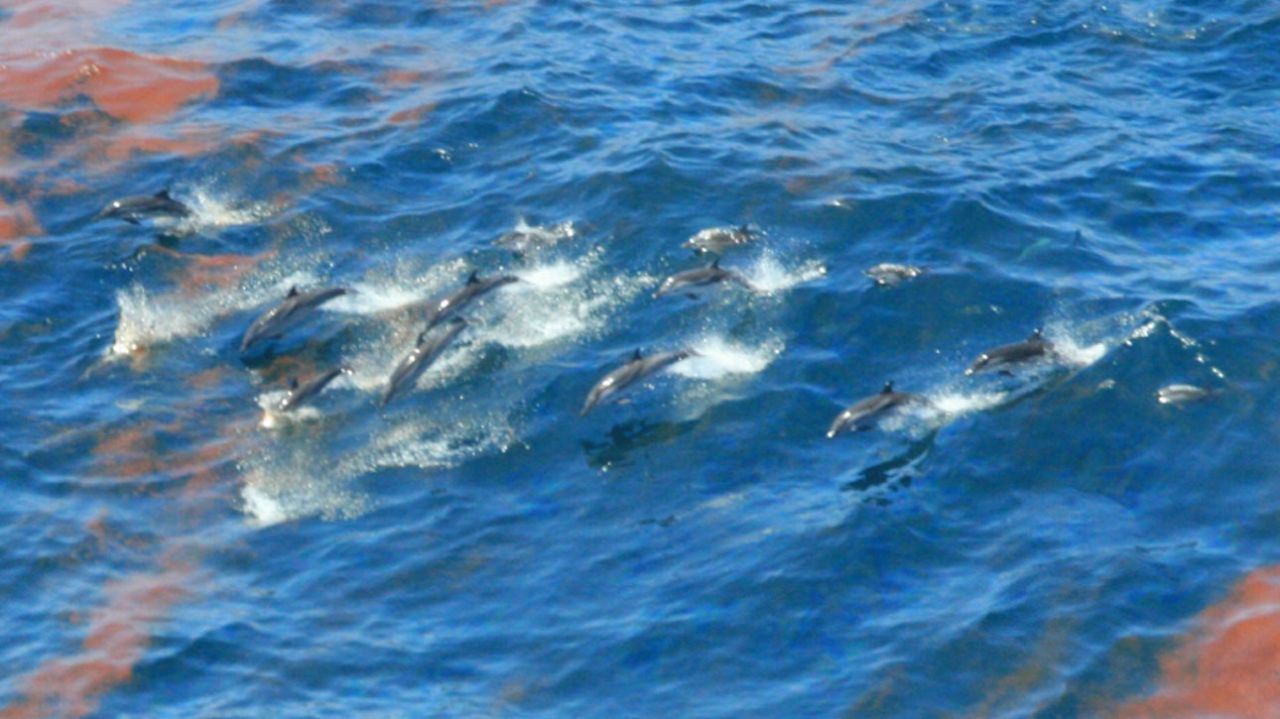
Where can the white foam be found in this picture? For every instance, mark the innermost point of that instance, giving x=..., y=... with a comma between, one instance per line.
x=1076, y=354
x=559, y=231
x=214, y=210
x=262, y=509
x=281, y=489
x=952, y=404
x=548, y=276
x=273, y=418
x=553, y=304
x=770, y=275
x=430, y=443
x=718, y=357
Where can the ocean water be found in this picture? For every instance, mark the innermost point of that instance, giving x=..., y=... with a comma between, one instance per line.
x=1055, y=543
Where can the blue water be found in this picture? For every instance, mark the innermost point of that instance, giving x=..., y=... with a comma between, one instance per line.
x=1032, y=546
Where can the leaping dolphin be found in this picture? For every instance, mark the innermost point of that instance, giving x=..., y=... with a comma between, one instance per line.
x=300, y=394
x=422, y=357
x=1034, y=347
x=295, y=308
x=701, y=277
x=636, y=369
x=160, y=206
x=441, y=309
x=866, y=412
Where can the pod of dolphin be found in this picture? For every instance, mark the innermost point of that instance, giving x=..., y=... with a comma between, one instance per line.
x=442, y=321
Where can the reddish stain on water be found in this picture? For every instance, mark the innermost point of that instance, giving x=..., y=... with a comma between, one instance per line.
x=118, y=635
x=1228, y=666
x=128, y=86
x=17, y=226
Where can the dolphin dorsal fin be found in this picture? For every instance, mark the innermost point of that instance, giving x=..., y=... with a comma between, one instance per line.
x=293, y=291
x=473, y=278
x=888, y=387
x=164, y=194
x=635, y=355
x=715, y=264
x=293, y=383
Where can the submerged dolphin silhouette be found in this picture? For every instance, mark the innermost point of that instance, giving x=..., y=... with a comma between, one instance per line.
x=718, y=239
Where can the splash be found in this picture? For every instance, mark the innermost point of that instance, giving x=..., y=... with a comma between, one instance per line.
x=949, y=405
x=213, y=210
x=558, y=302
x=435, y=442
x=270, y=498
x=718, y=358
x=553, y=305
x=1226, y=666
x=273, y=418
x=1074, y=352
x=769, y=275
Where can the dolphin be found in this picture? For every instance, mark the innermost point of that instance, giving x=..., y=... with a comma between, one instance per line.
x=636, y=369
x=1034, y=347
x=888, y=274
x=160, y=207
x=1181, y=393
x=300, y=394
x=864, y=413
x=441, y=309
x=296, y=307
x=701, y=277
x=423, y=355
x=718, y=239
x=525, y=238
